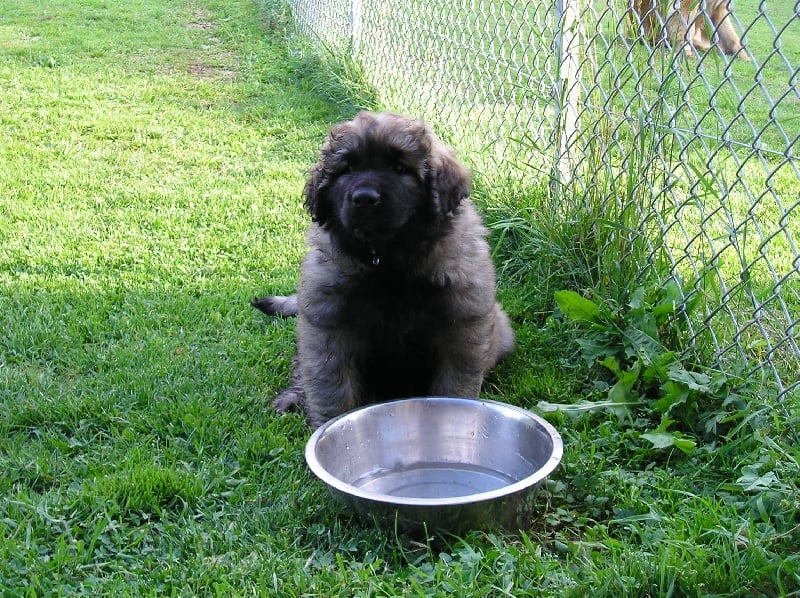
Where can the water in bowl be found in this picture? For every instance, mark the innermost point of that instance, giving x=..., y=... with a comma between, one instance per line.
x=433, y=480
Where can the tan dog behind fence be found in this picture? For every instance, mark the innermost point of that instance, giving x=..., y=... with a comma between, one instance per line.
x=692, y=24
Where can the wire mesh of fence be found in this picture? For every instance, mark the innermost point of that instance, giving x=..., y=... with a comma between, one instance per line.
x=673, y=125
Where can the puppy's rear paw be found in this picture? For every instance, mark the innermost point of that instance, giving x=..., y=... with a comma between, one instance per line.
x=277, y=305
x=289, y=400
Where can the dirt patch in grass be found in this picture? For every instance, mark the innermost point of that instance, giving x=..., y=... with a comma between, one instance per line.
x=201, y=20
x=201, y=70
x=216, y=63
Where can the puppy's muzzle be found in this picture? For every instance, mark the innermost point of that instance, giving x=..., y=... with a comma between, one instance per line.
x=365, y=198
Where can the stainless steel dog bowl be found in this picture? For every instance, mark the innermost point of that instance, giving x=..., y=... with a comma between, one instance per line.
x=443, y=463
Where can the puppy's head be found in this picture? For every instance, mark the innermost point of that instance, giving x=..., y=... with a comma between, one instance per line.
x=381, y=174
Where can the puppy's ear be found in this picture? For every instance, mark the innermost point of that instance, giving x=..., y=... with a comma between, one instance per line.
x=450, y=181
x=321, y=176
x=315, y=193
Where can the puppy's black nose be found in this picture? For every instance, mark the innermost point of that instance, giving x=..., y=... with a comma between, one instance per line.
x=365, y=197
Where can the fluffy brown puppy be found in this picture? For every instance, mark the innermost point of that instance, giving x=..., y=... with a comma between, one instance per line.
x=397, y=291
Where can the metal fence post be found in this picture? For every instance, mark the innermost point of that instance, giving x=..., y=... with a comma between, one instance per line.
x=356, y=10
x=567, y=93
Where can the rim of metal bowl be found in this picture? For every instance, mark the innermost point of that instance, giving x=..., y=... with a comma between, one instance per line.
x=540, y=474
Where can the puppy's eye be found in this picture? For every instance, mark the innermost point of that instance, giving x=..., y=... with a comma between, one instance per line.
x=400, y=168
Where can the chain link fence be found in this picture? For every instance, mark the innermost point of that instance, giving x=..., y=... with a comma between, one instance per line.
x=645, y=107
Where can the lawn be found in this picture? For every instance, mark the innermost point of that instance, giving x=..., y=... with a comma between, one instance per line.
x=152, y=160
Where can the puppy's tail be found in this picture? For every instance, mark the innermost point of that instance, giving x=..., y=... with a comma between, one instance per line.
x=277, y=305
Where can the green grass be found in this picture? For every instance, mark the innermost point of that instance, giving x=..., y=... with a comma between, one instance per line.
x=152, y=161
